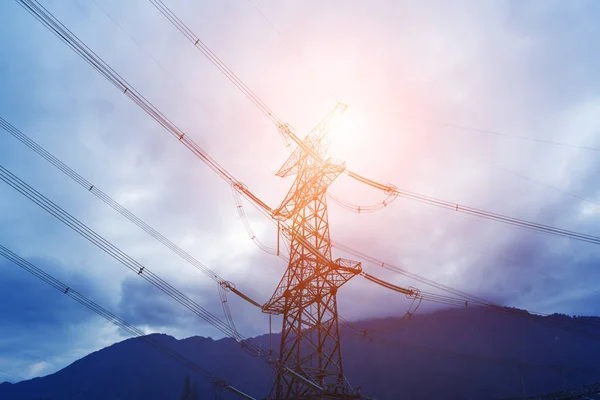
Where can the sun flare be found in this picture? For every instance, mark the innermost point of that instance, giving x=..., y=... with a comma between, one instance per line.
x=347, y=129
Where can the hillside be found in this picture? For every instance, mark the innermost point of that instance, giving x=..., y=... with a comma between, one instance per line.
x=450, y=354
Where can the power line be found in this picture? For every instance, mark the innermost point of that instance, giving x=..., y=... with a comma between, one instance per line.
x=158, y=63
x=388, y=189
x=526, y=138
x=371, y=208
x=440, y=123
x=491, y=165
x=291, y=48
x=471, y=298
x=56, y=27
x=133, y=265
x=93, y=189
x=72, y=222
x=520, y=223
x=214, y=59
x=537, y=181
x=460, y=299
x=142, y=102
x=121, y=323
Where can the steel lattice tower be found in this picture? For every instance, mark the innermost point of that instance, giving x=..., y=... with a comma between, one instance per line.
x=306, y=295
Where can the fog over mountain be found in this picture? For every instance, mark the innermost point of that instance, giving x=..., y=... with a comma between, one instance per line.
x=450, y=354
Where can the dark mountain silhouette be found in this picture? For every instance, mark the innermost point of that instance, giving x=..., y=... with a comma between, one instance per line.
x=450, y=354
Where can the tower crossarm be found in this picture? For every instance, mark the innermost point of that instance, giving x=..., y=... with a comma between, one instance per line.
x=308, y=187
x=294, y=287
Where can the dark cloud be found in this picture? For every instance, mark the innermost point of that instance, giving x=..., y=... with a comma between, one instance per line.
x=524, y=68
x=28, y=301
x=39, y=324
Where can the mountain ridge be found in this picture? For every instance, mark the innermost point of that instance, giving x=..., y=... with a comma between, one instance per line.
x=452, y=353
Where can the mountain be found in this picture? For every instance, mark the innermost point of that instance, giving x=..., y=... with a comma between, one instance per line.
x=449, y=354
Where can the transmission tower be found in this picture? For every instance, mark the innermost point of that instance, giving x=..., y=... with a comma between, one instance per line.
x=306, y=294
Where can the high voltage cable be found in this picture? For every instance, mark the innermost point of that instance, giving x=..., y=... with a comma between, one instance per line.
x=27, y=141
x=461, y=299
x=133, y=265
x=214, y=59
x=62, y=32
x=72, y=222
x=386, y=188
x=441, y=123
x=186, y=31
x=69, y=38
x=524, y=224
x=389, y=189
x=121, y=323
x=48, y=20
x=392, y=190
x=527, y=138
x=472, y=299
x=159, y=64
x=166, y=123
x=291, y=48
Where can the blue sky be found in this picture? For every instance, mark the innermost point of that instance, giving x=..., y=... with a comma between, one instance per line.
x=525, y=68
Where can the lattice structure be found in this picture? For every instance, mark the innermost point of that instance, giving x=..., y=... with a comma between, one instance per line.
x=306, y=295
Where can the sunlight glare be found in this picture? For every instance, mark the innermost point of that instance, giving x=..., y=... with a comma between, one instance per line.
x=347, y=129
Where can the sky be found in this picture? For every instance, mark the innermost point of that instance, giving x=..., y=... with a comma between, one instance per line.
x=411, y=72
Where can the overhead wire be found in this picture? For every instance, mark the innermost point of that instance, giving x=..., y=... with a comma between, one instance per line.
x=462, y=296
x=524, y=224
x=249, y=346
x=440, y=123
x=133, y=265
x=536, y=181
x=389, y=189
x=411, y=292
x=93, y=189
x=526, y=138
x=214, y=59
x=226, y=309
x=182, y=136
x=54, y=25
x=361, y=209
x=158, y=63
x=42, y=15
x=290, y=47
x=244, y=218
x=492, y=165
x=459, y=298
x=48, y=20
x=74, y=43
x=393, y=194
x=114, y=319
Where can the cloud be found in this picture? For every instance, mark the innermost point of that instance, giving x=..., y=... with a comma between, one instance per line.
x=36, y=319
x=37, y=368
x=522, y=68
